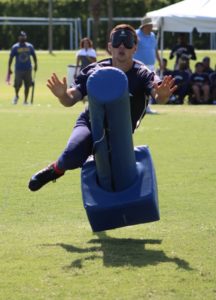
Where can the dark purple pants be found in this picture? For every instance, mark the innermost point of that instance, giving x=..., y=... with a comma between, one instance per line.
x=79, y=146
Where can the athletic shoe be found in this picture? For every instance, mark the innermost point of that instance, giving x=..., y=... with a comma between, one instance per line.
x=15, y=99
x=43, y=177
x=150, y=111
x=25, y=103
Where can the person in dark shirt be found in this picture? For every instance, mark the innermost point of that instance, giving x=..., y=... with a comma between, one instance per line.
x=22, y=51
x=183, y=52
x=182, y=80
x=163, y=71
x=212, y=78
x=206, y=65
x=200, y=85
x=141, y=84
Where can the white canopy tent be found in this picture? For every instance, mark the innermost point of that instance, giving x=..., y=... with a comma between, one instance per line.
x=185, y=16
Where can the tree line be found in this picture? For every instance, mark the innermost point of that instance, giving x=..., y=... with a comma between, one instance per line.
x=82, y=9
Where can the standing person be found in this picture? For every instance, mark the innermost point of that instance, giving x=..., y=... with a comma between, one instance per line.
x=85, y=56
x=22, y=51
x=141, y=83
x=147, y=48
x=183, y=52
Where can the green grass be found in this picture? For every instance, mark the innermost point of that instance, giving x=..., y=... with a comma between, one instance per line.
x=47, y=249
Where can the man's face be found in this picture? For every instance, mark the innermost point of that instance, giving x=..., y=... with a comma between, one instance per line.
x=22, y=39
x=199, y=68
x=122, y=45
x=148, y=28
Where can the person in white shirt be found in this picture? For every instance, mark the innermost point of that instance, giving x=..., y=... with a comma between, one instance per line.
x=85, y=56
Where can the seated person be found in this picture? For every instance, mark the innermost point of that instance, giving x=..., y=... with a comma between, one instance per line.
x=212, y=78
x=184, y=59
x=161, y=72
x=200, y=85
x=206, y=65
x=182, y=79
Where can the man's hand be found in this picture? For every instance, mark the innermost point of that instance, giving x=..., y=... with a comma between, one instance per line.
x=57, y=87
x=67, y=97
x=165, y=89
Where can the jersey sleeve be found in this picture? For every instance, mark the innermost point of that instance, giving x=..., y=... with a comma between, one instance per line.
x=93, y=53
x=13, y=51
x=148, y=80
x=32, y=50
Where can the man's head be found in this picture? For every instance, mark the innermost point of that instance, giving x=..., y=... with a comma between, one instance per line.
x=182, y=39
x=164, y=63
x=122, y=45
x=146, y=24
x=199, y=67
x=22, y=37
x=125, y=34
x=206, y=61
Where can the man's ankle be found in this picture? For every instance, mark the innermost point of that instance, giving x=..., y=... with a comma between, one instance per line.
x=57, y=169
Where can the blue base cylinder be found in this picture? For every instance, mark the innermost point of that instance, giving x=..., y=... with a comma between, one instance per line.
x=134, y=205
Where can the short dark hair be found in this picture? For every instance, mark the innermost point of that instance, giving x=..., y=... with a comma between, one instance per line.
x=23, y=34
x=206, y=58
x=199, y=64
x=125, y=27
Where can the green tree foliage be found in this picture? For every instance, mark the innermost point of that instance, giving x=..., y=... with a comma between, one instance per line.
x=38, y=35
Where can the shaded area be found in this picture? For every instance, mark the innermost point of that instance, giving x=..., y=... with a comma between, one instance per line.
x=118, y=252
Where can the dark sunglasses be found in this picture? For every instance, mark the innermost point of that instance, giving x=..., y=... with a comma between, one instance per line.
x=124, y=37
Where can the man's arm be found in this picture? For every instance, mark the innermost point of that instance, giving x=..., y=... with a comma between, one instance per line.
x=193, y=54
x=35, y=61
x=9, y=64
x=172, y=52
x=67, y=97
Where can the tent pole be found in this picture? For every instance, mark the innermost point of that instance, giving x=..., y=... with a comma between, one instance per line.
x=161, y=38
x=161, y=43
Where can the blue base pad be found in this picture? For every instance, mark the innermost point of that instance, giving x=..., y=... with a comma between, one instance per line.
x=134, y=205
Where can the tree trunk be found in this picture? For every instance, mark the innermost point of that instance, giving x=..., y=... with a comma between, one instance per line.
x=110, y=17
x=94, y=8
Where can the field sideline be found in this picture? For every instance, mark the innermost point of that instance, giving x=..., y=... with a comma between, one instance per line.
x=47, y=249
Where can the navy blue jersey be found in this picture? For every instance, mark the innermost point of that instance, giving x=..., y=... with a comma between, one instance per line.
x=140, y=82
x=181, y=76
x=22, y=52
x=212, y=78
x=186, y=51
x=199, y=78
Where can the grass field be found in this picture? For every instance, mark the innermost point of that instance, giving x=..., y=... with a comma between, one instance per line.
x=47, y=249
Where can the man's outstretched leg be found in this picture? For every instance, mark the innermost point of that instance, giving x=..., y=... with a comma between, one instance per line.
x=78, y=149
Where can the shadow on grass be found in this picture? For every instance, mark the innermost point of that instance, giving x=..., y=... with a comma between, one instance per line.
x=117, y=252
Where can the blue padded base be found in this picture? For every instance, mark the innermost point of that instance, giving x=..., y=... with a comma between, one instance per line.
x=134, y=205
